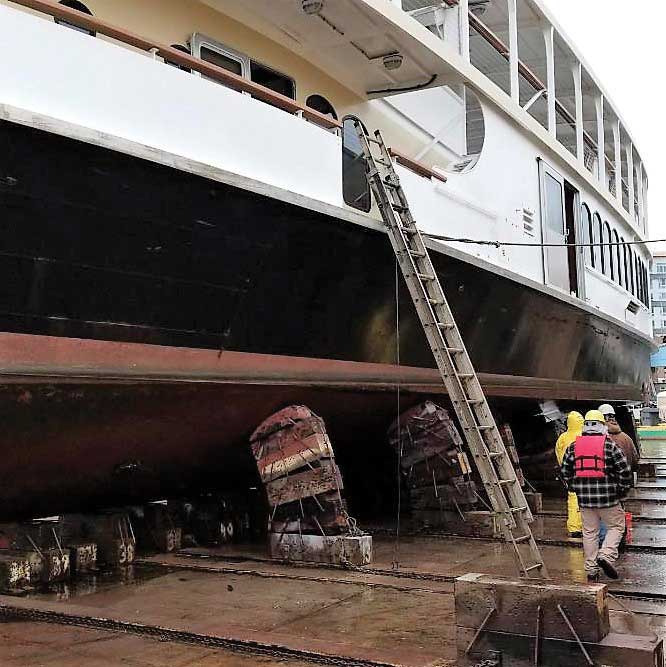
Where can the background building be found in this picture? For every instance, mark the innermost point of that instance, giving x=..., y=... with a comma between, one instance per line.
x=658, y=294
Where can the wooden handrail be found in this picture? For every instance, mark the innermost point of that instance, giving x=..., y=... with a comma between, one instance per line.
x=417, y=167
x=210, y=70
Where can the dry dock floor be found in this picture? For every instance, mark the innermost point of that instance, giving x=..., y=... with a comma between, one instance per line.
x=233, y=607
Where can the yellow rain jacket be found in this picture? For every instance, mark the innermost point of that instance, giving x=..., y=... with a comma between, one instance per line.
x=574, y=429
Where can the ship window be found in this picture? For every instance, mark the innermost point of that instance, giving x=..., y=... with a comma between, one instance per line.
x=79, y=6
x=269, y=78
x=588, y=231
x=616, y=253
x=600, y=238
x=624, y=258
x=355, y=188
x=226, y=61
x=184, y=49
x=608, y=251
x=322, y=105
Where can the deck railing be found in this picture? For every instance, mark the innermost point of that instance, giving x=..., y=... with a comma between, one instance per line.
x=219, y=74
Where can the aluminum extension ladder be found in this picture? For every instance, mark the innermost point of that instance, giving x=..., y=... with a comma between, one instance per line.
x=469, y=402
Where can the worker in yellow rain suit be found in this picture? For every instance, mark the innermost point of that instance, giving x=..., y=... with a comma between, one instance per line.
x=574, y=429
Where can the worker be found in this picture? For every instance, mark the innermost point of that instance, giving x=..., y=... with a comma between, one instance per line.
x=619, y=437
x=597, y=470
x=574, y=429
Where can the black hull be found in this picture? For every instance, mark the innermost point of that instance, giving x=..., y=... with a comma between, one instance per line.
x=98, y=245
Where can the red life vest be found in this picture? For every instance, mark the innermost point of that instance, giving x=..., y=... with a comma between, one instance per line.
x=589, y=456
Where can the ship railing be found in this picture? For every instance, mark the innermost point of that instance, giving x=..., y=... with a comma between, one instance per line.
x=181, y=58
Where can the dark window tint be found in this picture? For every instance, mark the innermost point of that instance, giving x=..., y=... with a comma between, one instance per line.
x=79, y=6
x=322, y=105
x=223, y=60
x=625, y=264
x=607, y=250
x=184, y=49
x=274, y=80
x=615, y=250
x=588, y=231
x=355, y=188
x=600, y=236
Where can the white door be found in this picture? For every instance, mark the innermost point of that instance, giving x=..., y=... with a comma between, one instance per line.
x=553, y=224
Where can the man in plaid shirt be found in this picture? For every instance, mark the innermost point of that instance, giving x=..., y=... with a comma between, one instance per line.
x=600, y=482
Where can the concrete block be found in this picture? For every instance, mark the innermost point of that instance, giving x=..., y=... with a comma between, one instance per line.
x=337, y=550
x=516, y=602
x=46, y=566
x=82, y=557
x=116, y=551
x=168, y=540
x=534, y=501
x=615, y=650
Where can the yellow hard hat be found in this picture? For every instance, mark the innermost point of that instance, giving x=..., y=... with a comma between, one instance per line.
x=594, y=416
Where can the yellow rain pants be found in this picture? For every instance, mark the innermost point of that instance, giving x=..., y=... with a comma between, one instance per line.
x=574, y=429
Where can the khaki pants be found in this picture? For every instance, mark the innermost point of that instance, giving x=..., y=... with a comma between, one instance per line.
x=613, y=517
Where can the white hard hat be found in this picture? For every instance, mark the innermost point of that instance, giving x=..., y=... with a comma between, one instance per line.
x=606, y=409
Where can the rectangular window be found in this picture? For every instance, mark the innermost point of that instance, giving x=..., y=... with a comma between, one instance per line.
x=269, y=78
x=224, y=60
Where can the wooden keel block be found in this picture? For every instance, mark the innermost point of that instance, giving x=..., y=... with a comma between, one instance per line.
x=82, y=557
x=304, y=485
x=15, y=572
x=516, y=602
x=335, y=550
x=615, y=650
x=647, y=470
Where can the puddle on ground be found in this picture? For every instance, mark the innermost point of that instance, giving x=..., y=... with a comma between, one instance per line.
x=97, y=582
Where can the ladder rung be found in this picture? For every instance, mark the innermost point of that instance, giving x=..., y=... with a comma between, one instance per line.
x=516, y=510
x=522, y=538
x=485, y=428
x=446, y=327
x=465, y=376
x=475, y=401
x=454, y=350
x=399, y=208
x=407, y=230
x=536, y=566
x=435, y=302
x=503, y=482
x=417, y=253
x=495, y=455
x=425, y=276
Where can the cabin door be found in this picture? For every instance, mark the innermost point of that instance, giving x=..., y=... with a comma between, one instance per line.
x=560, y=266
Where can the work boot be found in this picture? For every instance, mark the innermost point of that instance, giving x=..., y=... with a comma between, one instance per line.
x=608, y=569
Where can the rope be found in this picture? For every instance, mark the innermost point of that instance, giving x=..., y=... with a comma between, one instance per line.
x=396, y=548
x=498, y=244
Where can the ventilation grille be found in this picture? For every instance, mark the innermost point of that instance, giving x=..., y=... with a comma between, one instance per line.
x=528, y=222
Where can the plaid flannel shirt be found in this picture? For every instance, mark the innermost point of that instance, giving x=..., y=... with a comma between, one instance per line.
x=600, y=491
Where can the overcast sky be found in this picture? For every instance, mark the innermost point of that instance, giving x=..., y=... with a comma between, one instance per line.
x=623, y=43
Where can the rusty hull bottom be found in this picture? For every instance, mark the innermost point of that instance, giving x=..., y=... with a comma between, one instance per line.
x=88, y=423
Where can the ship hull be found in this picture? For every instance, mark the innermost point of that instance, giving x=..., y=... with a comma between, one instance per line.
x=153, y=318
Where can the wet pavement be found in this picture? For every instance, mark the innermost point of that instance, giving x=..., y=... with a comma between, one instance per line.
x=399, y=610
x=27, y=644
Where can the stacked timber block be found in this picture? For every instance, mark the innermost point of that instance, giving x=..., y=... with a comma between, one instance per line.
x=528, y=622
x=42, y=542
x=114, y=536
x=157, y=528
x=308, y=517
x=434, y=466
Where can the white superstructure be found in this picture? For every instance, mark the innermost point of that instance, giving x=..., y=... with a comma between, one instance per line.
x=503, y=132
